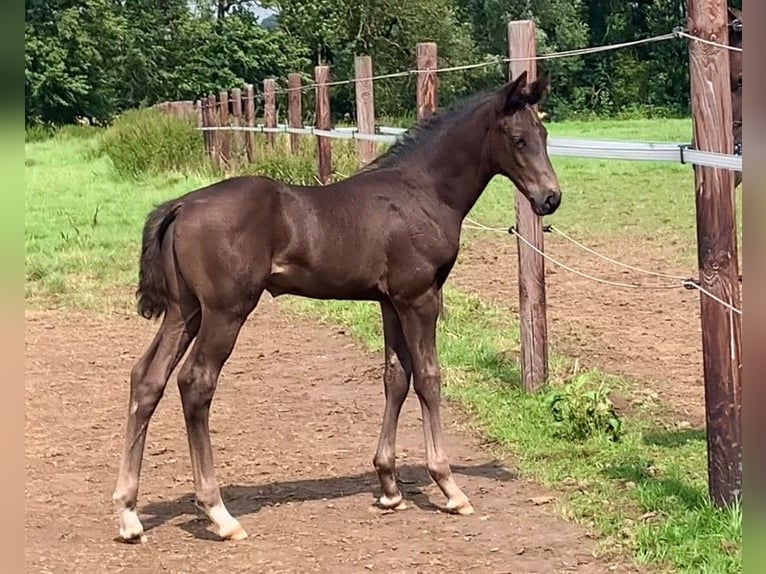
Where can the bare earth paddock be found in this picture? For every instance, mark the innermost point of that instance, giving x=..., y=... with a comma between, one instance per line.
x=295, y=469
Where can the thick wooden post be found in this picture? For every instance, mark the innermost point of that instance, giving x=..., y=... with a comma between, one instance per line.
x=324, y=149
x=294, y=112
x=428, y=81
x=223, y=112
x=717, y=250
x=250, y=121
x=236, y=121
x=365, y=108
x=269, y=108
x=213, y=122
x=198, y=110
x=533, y=322
x=205, y=123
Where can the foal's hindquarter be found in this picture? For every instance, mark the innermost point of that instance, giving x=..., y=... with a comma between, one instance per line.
x=229, y=242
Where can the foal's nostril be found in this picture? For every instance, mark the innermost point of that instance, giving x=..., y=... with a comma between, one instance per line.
x=552, y=200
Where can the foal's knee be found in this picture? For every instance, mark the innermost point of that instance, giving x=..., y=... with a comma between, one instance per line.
x=428, y=382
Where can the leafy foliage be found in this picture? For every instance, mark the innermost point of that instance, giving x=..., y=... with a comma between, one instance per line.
x=95, y=58
x=147, y=142
x=581, y=411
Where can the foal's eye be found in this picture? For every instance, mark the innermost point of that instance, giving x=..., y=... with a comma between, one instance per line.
x=520, y=142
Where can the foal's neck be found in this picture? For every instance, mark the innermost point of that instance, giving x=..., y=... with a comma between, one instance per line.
x=459, y=164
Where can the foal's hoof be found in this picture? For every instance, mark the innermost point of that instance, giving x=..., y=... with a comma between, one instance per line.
x=131, y=529
x=462, y=507
x=132, y=537
x=233, y=532
x=396, y=503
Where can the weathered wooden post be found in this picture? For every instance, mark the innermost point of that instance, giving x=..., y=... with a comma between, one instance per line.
x=294, y=113
x=324, y=149
x=205, y=123
x=223, y=113
x=236, y=122
x=214, y=122
x=717, y=250
x=428, y=81
x=365, y=108
x=250, y=121
x=533, y=322
x=269, y=108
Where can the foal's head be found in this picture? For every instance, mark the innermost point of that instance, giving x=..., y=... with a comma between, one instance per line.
x=518, y=143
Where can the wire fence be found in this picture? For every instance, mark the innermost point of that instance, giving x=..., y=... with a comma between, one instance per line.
x=680, y=282
x=677, y=33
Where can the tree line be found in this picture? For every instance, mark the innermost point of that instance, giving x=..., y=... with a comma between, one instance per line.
x=95, y=58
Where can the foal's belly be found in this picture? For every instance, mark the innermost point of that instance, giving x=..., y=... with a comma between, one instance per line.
x=293, y=279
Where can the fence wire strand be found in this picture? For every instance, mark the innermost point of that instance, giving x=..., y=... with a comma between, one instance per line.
x=492, y=62
x=679, y=32
x=611, y=260
x=683, y=283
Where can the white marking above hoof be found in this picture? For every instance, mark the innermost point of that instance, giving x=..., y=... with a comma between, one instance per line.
x=463, y=507
x=233, y=532
x=396, y=503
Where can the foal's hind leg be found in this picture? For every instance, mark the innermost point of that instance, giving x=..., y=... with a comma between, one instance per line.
x=197, y=383
x=396, y=378
x=148, y=379
x=419, y=325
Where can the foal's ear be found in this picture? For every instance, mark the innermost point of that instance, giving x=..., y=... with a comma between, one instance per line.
x=537, y=90
x=511, y=96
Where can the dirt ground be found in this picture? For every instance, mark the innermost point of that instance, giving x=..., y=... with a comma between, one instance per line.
x=651, y=336
x=295, y=420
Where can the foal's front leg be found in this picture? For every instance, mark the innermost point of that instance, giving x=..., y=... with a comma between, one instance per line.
x=398, y=372
x=419, y=325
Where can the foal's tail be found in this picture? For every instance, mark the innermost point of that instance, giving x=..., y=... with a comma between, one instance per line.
x=152, y=292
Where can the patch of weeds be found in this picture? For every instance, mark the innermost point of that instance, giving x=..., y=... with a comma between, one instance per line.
x=581, y=409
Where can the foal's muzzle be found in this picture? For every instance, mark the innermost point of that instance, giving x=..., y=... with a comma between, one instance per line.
x=546, y=203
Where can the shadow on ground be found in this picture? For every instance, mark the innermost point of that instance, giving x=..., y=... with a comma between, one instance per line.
x=249, y=499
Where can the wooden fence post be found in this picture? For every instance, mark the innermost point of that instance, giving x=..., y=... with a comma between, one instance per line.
x=205, y=123
x=269, y=108
x=223, y=112
x=532, y=305
x=365, y=108
x=213, y=122
x=236, y=116
x=198, y=110
x=717, y=250
x=250, y=121
x=324, y=149
x=428, y=82
x=294, y=112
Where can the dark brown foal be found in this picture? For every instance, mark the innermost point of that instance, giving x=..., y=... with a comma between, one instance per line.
x=390, y=234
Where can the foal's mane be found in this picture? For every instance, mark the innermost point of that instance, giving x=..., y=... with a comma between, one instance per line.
x=422, y=134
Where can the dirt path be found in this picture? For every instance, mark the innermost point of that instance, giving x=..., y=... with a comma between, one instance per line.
x=652, y=336
x=295, y=419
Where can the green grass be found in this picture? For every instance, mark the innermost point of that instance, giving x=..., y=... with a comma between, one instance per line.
x=644, y=493
x=83, y=224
